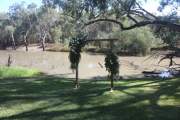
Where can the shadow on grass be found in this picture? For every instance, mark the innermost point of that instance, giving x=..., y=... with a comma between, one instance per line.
x=142, y=99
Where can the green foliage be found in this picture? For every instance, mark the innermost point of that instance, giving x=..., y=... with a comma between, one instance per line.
x=112, y=63
x=10, y=29
x=9, y=72
x=74, y=58
x=168, y=36
x=78, y=42
x=136, y=41
x=139, y=47
x=56, y=33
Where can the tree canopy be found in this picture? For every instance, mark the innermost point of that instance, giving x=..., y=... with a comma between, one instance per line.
x=116, y=10
x=57, y=21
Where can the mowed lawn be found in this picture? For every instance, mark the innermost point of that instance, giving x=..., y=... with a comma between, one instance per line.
x=53, y=98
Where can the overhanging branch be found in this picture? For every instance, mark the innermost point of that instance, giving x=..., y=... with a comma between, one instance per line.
x=170, y=25
x=131, y=18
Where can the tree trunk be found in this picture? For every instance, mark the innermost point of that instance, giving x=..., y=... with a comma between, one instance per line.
x=112, y=82
x=26, y=43
x=43, y=45
x=77, y=77
x=26, y=46
x=43, y=42
x=9, y=61
x=13, y=41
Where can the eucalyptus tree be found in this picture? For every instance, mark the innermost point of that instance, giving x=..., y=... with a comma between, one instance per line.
x=169, y=36
x=116, y=10
x=47, y=24
x=28, y=22
x=22, y=18
x=7, y=30
x=15, y=17
x=4, y=21
x=10, y=30
x=171, y=40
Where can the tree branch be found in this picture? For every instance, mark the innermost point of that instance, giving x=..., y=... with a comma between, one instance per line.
x=133, y=19
x=139, y=14
x=173, y=26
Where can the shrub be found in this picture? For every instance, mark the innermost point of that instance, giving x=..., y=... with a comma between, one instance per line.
x=136, y=42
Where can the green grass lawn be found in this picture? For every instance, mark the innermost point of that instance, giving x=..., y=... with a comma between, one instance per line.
x=14, y=72
x=53, y=98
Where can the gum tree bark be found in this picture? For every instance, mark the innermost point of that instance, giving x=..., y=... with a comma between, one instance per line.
x=13, y=41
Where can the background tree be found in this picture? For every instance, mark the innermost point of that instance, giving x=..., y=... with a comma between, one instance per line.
x=4, y=37
x=168, y=36
x=29, y=20
x=49, y=25
x=15, y=13
x=114, y=11
x=10, y=30
x=56, y=21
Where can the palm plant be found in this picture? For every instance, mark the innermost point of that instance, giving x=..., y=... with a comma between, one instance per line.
x=112, y=66
x=76, y=44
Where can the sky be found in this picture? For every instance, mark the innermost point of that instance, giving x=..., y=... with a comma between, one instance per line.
x=150, y=5
x=4, y=4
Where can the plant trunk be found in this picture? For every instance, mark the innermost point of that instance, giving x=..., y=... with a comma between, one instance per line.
x=13, y=41
x=112, y=82
x=77, y=78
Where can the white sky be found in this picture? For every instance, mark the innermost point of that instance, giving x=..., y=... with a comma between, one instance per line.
x=4, y=4
x=150, y=5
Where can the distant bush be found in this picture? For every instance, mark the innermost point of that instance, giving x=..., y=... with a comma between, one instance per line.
x=136, y=42
x=57, y=48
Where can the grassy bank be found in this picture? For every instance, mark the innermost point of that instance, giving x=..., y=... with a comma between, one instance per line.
x=53, y=98
x=14, y=72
